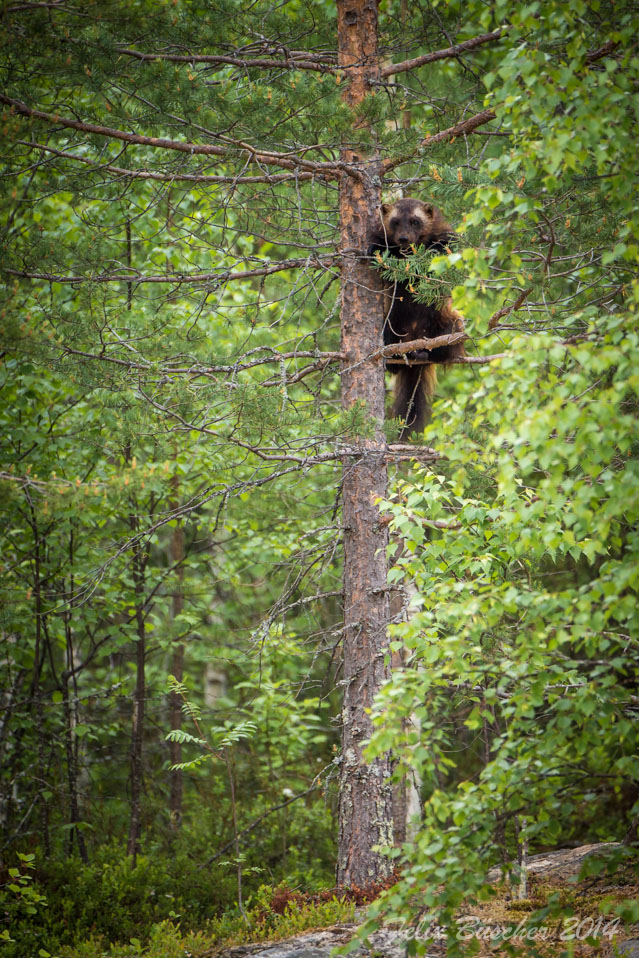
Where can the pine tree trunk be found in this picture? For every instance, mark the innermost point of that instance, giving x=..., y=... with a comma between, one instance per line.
x=365, y=803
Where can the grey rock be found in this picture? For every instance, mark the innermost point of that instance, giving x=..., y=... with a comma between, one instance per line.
x=315, y=944
x=386, y=943
x=293, y=951
x=628, y=948
x=563, y=863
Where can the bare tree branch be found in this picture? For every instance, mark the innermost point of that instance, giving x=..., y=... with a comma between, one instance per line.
x=459, y=129
x=179, y=278
x=457, y=361
x=166, y=368
x=505, y=310
x=193, y=149
x=412, y=451
x=318, y=64
x=169, y=177
x=602, y=51
x=249, y=828
x=294, y=63
x=398, y=349
x=453, y=51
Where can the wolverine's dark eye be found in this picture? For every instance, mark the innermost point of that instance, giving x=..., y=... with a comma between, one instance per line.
x=393, y=224
x=415, y=222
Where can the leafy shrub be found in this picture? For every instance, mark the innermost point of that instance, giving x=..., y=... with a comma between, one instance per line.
x=521, y=629
x=112, y=900
x=167, y=940
x=161, y=906
x=20, y=900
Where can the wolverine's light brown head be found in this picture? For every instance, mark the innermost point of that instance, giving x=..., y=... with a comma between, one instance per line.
x=411, y=222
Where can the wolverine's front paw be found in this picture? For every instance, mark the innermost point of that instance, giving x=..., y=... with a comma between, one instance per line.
x=419, y=355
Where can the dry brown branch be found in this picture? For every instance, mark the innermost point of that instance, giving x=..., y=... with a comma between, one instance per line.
x=459, y=129
x=398, y=353
x=457, y=361
x=176, y=177
x=453, y=51
x=294, y=798
x=409, y=450
x=399, y=349
x=217, y=279
x=181, y=146
x=505, y=310
x=321, y=364
x=196, y=369
x=294, y=63
x=602, y=51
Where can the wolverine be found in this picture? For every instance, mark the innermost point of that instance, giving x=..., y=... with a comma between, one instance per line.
x=405, y=225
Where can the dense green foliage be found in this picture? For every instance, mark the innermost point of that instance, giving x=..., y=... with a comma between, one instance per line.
x=157, y=514
x=170, y=457
x=159, y=897
x=517, y=706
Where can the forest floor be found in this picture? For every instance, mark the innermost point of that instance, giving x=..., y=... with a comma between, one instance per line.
x=502, y=922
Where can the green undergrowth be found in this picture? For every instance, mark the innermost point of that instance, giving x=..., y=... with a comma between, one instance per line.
x=262, y=923
x=116, y=910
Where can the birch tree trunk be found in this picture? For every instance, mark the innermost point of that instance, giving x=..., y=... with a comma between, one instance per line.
x=139, y=695
x=177, y=670
x=365, y=803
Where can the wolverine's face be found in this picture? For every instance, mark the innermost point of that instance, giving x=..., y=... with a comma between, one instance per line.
x=406, y=222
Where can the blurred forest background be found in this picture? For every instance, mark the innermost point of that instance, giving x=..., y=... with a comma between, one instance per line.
x=172, y=446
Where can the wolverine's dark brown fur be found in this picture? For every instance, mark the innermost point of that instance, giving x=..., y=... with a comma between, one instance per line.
x=404, y=225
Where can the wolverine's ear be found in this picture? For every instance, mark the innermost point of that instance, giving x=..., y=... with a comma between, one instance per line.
x=385, y=208
x=428, y=209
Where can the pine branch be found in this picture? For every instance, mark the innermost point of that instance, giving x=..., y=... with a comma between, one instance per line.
x=396, y=353
x=296, y=377
x=459, y=129
x=602, y=51
x=457, y=361
x=505, y=310
x=294, y=63
x=399, y=349
x=453, y=51
x=178, y=278
x=23, y=7
x=196, y=370
x=169, y=177
x=411, y=451
x=193, y=149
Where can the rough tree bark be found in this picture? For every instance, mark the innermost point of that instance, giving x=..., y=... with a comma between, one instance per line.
x=365, y=803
